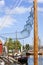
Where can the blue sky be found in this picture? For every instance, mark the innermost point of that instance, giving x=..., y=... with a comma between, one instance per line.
x=14, y=14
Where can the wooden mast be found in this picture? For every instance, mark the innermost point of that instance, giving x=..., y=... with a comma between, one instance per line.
x=35, y=34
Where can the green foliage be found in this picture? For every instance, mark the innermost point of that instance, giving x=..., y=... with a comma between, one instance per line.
x=17, y=44
x=23, y=47
x=27, y=47
x=11, y=44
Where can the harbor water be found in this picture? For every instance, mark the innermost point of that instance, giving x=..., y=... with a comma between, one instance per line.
x=31, y=60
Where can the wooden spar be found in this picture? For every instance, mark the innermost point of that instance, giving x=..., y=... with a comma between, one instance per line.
x=35, y=34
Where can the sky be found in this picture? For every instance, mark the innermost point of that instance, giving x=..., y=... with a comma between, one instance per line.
x=13, y=17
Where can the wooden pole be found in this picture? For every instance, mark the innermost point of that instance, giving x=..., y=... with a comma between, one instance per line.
x=35, y=34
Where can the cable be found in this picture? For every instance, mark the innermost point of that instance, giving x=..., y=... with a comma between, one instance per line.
x=11, y=11
x=24, y=30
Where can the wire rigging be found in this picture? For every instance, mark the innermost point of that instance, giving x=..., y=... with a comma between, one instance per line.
x=14, y=6
x=26, y=30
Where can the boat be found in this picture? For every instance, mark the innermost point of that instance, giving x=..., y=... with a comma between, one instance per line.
x=2, y=62
x=23, y=60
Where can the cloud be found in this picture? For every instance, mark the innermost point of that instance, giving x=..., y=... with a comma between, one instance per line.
x=17, y=10
x=39, y=1
x=21, y=10
x=40, y=9
x=6, y=22
x=2, y=2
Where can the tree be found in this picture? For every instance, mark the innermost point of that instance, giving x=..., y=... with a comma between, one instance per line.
x=27, y=47
x=17, y=45
x=11, y=44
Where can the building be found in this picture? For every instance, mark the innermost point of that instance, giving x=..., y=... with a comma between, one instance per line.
x=1, y=47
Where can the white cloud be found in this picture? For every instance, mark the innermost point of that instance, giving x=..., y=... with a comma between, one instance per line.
x=21, y=10
x=6, y=22
x=18, y=10
x=40, y=9
x=39, y=1
x=2, y=2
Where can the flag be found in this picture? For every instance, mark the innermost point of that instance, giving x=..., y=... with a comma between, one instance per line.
x=28, y=26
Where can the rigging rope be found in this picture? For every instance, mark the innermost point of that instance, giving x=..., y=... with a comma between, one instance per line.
x=25, y=32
